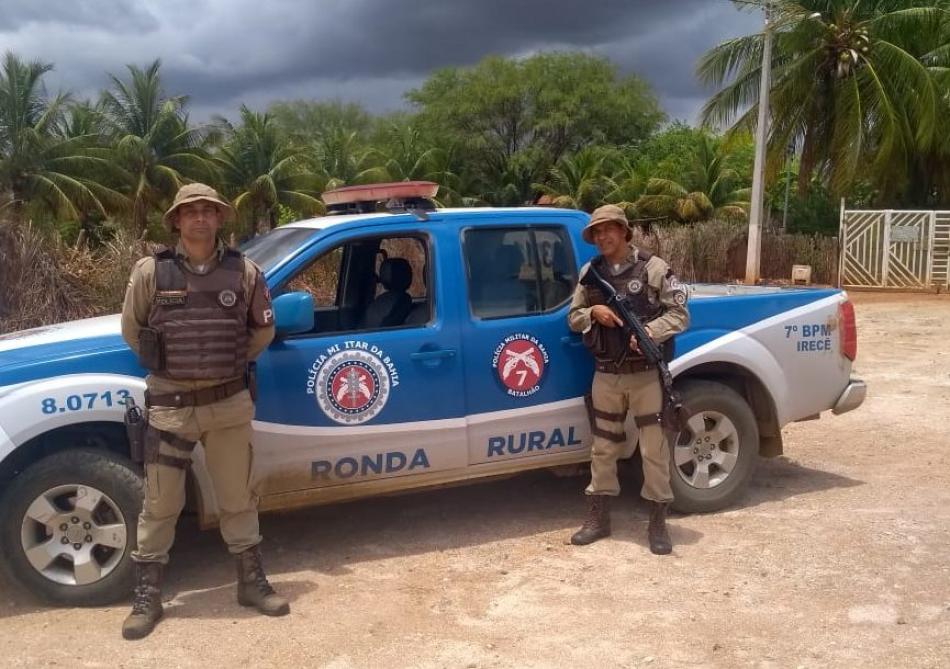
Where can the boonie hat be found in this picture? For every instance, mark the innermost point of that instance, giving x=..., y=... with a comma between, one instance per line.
x=193, y=193
x=608, y=213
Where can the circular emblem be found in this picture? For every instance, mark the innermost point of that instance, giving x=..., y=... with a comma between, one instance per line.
x=352, y=387
x=635, y=286
x=227, y=298
x=679, y=297
x=520, y=361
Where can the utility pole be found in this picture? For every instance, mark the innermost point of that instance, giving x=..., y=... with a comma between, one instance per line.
x=754, y=249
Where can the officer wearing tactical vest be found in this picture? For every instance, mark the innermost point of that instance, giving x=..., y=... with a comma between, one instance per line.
x=623, y=381
x=196, y=315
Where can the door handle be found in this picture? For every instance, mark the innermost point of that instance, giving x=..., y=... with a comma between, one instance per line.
x=438, y=354
x=572, y=340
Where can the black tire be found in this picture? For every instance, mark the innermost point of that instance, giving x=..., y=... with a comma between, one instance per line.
x=718, y=398
x=111, y=474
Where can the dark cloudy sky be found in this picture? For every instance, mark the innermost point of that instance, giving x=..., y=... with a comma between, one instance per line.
x=225, y=52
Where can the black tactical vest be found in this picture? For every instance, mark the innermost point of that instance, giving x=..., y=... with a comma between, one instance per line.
x=202, y=318
x=610, y=346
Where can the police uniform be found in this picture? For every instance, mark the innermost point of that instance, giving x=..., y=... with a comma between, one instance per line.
x=196, y=328
x=624, y=382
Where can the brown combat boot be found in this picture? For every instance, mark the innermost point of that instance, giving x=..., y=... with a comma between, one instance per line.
x=253, y=588
x=146, y=601
x=660, y=542
x=597, y=525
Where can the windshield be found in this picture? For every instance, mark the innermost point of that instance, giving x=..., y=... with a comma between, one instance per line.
x=270, y=249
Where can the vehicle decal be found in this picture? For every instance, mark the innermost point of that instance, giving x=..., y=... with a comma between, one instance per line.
x=536, y=440
x=361, y=466
x=352, y=381
x=520, y=361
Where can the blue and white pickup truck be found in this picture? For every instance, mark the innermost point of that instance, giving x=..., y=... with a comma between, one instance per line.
x=413, y=350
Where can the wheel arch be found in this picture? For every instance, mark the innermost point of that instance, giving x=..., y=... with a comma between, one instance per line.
x=753, y=390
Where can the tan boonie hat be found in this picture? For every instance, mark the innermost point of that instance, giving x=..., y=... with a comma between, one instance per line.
x=608, y=213
x=193, y=193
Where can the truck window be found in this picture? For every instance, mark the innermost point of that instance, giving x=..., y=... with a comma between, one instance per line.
x=370, y=283
x=519, y=270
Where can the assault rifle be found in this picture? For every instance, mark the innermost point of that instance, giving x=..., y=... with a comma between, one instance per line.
x=674, y=415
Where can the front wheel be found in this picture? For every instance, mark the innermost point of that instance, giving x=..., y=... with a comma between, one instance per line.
x=713, y=458
x=67, y=527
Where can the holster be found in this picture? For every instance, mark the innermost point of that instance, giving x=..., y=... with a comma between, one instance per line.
x=151, y=349
x=250, y=377
x=136, y=424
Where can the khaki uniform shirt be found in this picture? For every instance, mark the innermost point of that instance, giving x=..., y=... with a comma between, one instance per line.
x=663, y=287
x=138, y=304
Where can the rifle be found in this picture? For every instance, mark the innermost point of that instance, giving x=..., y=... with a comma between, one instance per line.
x=673, y=414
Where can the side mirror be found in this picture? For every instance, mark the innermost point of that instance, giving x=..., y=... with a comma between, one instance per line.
x=293, y=313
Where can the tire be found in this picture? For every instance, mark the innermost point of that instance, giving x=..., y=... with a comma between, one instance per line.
x=712, y=460
x=89, y=561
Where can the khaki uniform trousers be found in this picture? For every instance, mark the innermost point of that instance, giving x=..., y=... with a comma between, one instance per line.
x=224, y=429
x=642, y=394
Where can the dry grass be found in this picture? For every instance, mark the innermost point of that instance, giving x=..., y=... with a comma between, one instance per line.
x=44, y=281
x=715, y=252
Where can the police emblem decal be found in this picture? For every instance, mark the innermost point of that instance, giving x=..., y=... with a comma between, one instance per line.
x=520, y=361
x=227, y=298
x=352, y=384
x=635, y=286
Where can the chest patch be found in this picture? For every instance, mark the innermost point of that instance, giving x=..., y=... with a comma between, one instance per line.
x=227, y=298
x=168, y=298
x=634, y=286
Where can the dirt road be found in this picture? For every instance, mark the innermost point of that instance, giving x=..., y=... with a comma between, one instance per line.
x=839, y=556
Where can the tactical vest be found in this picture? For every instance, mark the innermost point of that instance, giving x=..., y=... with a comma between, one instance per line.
x=610, y=346
x=201, y=318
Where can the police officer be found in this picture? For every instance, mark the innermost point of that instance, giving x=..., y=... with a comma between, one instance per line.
x=623, y=381
x=197, y=314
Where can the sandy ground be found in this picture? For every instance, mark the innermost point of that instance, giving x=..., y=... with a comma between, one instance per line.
x=838, y=556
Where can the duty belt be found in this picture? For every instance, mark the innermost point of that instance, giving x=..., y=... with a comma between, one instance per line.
x=625, y=367
x=196, y=398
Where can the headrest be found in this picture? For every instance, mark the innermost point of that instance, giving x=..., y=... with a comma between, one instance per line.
x=559, y=260
x=508, y=260
x=395, y=274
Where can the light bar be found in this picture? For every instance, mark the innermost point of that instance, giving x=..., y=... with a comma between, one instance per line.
x=399, y=190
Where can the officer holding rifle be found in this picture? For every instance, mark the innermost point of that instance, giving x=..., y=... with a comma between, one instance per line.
x=625, y=379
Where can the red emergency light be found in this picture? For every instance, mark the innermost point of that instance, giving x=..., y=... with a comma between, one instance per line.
x=396, y=196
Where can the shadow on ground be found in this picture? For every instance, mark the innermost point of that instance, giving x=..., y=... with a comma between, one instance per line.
x=328, y=539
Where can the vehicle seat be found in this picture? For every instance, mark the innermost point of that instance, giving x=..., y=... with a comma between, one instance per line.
x=392, y=306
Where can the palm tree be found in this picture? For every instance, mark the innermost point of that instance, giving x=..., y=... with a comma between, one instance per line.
x=41, y=167
x=709, y=189
x=626, y=184
x=153, y=141
x=345, y=160
x=577, y=181
x=262, y=171
x=852, y=84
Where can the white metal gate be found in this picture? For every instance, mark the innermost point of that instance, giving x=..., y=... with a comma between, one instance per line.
x=894, y=249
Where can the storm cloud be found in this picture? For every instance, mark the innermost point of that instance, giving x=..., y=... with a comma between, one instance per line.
x=222, y=53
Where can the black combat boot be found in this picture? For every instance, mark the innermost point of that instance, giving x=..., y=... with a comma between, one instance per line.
x=597, y=525
x=253, y=588
x=660, y=543
x=146, y=601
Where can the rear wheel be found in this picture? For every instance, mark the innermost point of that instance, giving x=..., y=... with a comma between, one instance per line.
x=67, y=525
x=714, y=456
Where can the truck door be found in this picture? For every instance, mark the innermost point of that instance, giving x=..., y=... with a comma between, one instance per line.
x=374, y=390
x=525, y=373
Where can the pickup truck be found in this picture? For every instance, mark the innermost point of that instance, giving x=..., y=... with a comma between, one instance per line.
x=413, y=349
